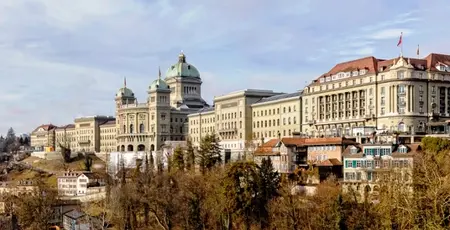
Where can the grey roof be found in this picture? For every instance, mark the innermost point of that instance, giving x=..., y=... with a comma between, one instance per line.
x=74, y=214
x=203, y=110
x=279, y=97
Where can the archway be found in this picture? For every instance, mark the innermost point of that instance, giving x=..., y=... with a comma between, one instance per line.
x=152, y=147
x=122, y=148
x=131, y=128
x=141, y=148
x=118, y=148
x=141, y=128
x=130, y=148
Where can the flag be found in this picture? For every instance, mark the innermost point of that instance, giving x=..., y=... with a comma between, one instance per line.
x=400, y=39
x=417, y=52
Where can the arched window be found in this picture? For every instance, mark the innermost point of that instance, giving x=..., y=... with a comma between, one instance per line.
x=124, y=129
x=289, y=109
x=141, y=128
x=131, y=128
x=401, y=127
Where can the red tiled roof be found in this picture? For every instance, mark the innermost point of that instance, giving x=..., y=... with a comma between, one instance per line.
x=330, y=162
x=374, y=65
x=412, y=149
x=433, y=59
x=46, y=127
x=266, y=149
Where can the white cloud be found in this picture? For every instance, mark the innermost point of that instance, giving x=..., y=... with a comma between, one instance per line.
x=389, y=34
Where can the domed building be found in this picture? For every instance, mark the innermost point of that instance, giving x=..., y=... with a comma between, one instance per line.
x=163, y=117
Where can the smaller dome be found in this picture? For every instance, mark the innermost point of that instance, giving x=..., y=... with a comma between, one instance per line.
x=158, y=84
x=124, y=92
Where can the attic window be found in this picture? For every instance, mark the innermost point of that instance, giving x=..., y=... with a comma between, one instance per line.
x=189, y=67
x=362, y=72
x=402, y=149
x=354, y=150
x=355, y=73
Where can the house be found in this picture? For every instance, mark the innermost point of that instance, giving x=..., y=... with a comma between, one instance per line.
x=18, y=188
x=78, y=183
x=368, y=166
x=76, y=220
x=289, y=153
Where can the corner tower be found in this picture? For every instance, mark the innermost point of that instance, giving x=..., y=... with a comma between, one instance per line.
x=159, y=112
x=185, y=83
x=124, y=97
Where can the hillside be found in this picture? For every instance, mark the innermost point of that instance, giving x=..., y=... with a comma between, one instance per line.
x=58, y=165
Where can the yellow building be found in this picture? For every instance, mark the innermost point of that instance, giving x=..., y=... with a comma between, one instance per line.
x=43, y=138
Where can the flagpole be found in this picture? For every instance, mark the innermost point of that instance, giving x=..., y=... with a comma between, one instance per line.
x=418, y=52
x=401, y=45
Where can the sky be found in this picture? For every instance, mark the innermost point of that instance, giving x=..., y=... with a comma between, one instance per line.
x=62, y=59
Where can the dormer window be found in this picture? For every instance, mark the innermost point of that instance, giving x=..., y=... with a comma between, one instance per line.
x=353, y=150
x=355, y=73
x=362, y=72
x=402, y=149
x=322, y=80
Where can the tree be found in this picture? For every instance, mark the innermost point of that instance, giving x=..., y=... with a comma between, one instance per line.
x=190, y=155
x=268, y=185
x=241, y=191
x=37, y=210
x=87, y=163
x=178, y=159
x=98, y=210
x=209, y=154
x=11, y=143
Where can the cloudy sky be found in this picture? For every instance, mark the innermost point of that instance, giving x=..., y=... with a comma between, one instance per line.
x=60, y=59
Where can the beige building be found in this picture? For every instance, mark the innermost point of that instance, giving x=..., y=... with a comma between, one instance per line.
x=276, y=116
x=43, y=138
x=148, y=125
x=231, y=119
x=137, y=126
x=400, y=94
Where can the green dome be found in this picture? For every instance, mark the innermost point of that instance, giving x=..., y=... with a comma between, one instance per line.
x=182, y=69
x=158, y=84
x=124, y=92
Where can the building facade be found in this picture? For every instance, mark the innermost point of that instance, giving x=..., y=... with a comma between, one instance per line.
x=369, y=167
x=78, y=183
x=400, y=94
x=137, y=126
x=231, y=120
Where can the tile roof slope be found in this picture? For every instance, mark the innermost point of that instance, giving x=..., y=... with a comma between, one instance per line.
x=266, y=149
x=46, y=127
x=434, y=58
x=369, y=63
x=384, y=65
x=412, y=149
x=330, y=162
x=278, y=97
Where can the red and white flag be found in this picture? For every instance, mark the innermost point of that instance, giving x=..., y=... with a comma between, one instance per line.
x=400, y=40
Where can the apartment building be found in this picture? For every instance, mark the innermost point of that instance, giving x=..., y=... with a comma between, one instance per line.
x=18, y=188
x=290, y=153
x=78, y=183
x=43, y=138
x=275, y=116
x=368, y=167
x=231, y=120
x=399, y=94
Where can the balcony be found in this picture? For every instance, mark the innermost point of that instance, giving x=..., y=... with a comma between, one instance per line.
x=228, y=130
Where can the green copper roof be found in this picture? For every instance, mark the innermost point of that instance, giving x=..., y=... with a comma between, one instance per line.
x=124, y=92
x=182, y=69
x=158, y=84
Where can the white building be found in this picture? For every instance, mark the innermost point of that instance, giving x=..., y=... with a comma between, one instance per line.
x=78, y=183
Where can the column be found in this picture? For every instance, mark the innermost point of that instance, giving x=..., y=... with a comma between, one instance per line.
x=407, y=98
x=391, y=100
x=394, y=94
x=412, y=99
x=445, y=100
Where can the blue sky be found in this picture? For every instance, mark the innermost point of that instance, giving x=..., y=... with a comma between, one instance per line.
x=61, y=59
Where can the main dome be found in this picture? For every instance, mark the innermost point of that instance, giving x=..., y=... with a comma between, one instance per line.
x=182, y=69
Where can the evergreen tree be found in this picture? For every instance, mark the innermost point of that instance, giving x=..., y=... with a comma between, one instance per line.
x=268, y=185
x=190, y=155
x=177, y=159
x=87, y=163
x=11, y=141
x=21, y=142
x=209, y=154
